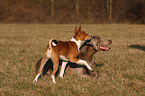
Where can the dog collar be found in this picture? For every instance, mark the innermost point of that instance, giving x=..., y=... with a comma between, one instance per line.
x=93, y=45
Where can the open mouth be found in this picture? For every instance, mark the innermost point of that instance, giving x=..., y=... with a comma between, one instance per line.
x=105, y=48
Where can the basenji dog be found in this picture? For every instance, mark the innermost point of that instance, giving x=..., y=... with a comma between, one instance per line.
x=64, y=50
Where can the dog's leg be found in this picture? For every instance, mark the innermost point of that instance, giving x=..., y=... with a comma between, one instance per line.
x=43, y=62
x=53, y=79
x=85, y=75
x=55, y=68
x=46, y=56
x=36, y=78
x=55, y=59
x=84, y=63
x=89, y=75
x=62, y=69
x=40, y=69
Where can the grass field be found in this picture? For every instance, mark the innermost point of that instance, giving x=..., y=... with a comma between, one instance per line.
x=123, y=73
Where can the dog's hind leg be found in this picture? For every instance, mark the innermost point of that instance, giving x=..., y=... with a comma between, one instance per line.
x=55, y=60
x=46, y=56
x=43, y=61
x=62, y=69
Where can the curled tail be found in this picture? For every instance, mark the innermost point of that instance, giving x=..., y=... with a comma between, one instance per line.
x=53, y=42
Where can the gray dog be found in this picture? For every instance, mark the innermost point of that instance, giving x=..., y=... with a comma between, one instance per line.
x=87, y=52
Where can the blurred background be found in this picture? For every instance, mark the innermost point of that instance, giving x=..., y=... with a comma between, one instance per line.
x=72, y=11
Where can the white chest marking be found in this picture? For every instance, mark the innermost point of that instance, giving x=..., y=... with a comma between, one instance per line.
x=48, y=54
x=77, y=42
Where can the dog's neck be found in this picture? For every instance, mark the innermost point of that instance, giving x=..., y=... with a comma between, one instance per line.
x=79, y=42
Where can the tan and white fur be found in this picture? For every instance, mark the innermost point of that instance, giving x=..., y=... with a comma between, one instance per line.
x=64, y=50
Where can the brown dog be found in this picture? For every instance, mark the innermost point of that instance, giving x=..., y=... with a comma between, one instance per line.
x=64, y=50
x=87, y=52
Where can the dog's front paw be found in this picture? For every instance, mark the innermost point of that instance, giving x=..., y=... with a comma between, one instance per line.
x=90, y=69
x=60, y=76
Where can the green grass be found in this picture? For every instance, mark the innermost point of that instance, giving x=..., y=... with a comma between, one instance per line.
x=123, y=73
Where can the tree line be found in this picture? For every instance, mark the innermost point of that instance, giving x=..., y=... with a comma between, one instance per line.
x=72, y=11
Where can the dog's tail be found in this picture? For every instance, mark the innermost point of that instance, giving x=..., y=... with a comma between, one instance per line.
x=53, y=42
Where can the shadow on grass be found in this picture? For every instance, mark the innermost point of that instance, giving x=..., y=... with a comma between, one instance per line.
x=137, y=47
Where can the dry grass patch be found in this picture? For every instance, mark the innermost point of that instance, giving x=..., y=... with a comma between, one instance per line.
x=121, y=69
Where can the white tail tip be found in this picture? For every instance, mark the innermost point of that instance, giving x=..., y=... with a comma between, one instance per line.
x=53, y=44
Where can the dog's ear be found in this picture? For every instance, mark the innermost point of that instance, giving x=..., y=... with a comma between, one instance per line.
x=80, y=29
x=76, y=29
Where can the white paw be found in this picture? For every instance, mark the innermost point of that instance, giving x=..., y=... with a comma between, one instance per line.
x=54, y=82
x=35, y=80
x=53, y=79
x=90, y=68
x=60, y=76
